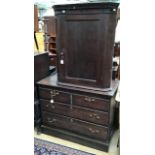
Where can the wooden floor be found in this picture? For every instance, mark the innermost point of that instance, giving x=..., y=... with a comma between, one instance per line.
x=113, y=150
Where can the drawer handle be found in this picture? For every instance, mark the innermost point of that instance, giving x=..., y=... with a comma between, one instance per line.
x=54, y=93
x=51, y=121
x=93, y=131
x=98, y=117
x=95, y=116
x=89, y=99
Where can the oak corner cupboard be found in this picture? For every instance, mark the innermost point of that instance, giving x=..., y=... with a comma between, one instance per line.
x=85, y=44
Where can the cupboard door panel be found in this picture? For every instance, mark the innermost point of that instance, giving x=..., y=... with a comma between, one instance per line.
x=85, y=49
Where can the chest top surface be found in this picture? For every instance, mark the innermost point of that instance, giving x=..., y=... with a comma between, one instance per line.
x=51, y=81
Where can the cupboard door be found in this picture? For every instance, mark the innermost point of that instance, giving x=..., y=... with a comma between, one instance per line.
x=84, y=56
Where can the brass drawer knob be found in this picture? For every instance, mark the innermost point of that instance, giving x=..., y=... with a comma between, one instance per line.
x=89, y=99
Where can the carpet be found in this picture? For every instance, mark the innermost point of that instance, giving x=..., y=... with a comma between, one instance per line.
x=42, y=147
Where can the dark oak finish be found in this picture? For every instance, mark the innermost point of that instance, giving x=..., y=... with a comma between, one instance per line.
x=78, y=104
x=41, y=66
x=85, y=41
x=37, y=112
x=75, y=125
x=78, y=114
x=88, y=101
x=57, y=96
x=51, y=82
x=76, y=137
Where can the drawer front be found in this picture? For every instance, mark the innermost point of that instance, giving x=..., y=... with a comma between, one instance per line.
x=90, y=102
x=63, y=109
x=54, y=95
x=97, y=117
x=75, y=125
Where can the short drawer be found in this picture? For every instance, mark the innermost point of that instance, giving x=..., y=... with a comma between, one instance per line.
x=56, y=96
x=93, y=116
x=75, y=125
x=90, y=102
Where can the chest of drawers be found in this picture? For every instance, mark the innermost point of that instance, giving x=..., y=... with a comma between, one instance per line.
x=81, y=115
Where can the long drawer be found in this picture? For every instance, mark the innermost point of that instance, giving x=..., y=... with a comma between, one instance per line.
x=55, y=95
x=75, y=125
x=93, y=116
x=91, y=102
